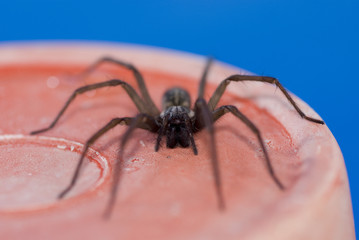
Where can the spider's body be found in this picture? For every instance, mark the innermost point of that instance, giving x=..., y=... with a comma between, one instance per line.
x=179, y=117
x=176, y=97
x=177, y=121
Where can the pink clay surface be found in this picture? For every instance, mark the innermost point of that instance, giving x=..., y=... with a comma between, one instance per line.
x=167, y=194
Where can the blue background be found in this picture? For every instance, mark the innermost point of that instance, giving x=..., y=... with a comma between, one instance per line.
x=310, y=45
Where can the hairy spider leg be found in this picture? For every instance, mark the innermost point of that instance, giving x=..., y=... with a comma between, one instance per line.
x=219, y=112
x=114, y=122
x=190, y=133
x=206, y=121
x=153, y=110
x=202, y=83
x=137, y=122
x=161, y=132
x=202, y=109
x=111, y=83
x=237, y=78
x=222, y=110
x=149, y=124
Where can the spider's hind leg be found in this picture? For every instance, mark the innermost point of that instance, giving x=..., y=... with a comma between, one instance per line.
x=153, y=110
x=111, y=83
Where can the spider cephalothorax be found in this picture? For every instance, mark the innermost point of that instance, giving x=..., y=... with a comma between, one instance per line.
x=178, y=121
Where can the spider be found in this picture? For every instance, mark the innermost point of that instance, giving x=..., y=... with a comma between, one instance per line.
x=177, y=120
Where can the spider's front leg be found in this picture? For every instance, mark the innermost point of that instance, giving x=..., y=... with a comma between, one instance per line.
x=143, y=121
x=204, y=119
x=146, y=121
x=238, y=78
x=219, y=112
x=147, y=124
x=114, y=122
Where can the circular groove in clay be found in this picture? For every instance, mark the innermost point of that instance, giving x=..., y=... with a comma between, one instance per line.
x=34, y=169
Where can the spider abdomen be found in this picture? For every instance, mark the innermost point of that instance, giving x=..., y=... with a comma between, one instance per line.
x=176, y=97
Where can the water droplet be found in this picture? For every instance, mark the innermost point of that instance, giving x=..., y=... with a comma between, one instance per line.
x=52, y=82
x=131, y=169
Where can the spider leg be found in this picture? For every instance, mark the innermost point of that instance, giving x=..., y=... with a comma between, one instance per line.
x=114, y=82
x=190, y=134
x=138, y=76
x=140, y=120
x=219, y=112
x=202, y=84
x=162, y=130
x=237, y=78
x=99, y=133
x=202, y=109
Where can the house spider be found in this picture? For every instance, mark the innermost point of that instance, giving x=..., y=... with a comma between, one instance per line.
x=177, y=121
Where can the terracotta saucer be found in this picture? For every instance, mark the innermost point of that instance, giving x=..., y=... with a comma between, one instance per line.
x=167, y=194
